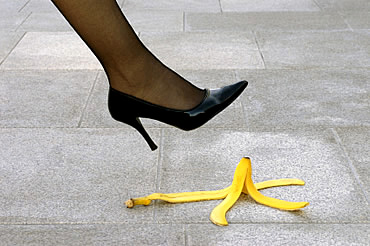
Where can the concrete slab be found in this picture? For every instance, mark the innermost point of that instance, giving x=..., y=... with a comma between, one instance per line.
x=268, y=5
x=12, y=6
x=335, y=5
x=279, y=234
x=41, y=98
x=197, y=50
x=97, y=115
x=300, y=98
x=8, y=40
x=9, y=21
x=341, y=49
x=111, y=234
x=39, y=6
x=206, y=159
x=357, y=19
x=356, y=144
x=74, y=175
x=182, y=5
x=40, y=22
x=155, y=21
x=51, y=50
x=266, y=21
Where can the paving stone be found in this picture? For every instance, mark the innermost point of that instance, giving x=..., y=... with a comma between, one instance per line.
x=181, y=5
x=306, y=98
x=155, y=21
x=51, y=50
x=39, y=6
x=7, y=42
x=12, y=6
x=206, y=159
x=357, y=19
x=41, y=98
x=342, y=49
x=268, y=5
x=10, y=21
x=74, y=175
x=272, y=21
x=197, y=51
x=356, y=143
x=336, y=5
x=279, y=234
x=97, y=115
x=132, y=234
x=38, y=22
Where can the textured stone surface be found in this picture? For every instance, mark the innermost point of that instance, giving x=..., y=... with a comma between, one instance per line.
x=8, y=42
x=306, y=98
x=41, y=22
x=356, y=144
x=43, y=99
x=340, y=5
x=9, y=22
x=39, y=6
x=67, y=168
x=279, y=234
x=270, y=21
x=155, y=21
x=181, y=5
x=268, y=5
x=206, y=160
x=357, y=20
x=74, y=175
x=51, y=50
x=99, y=234
x=342, y=49
x=219, y=50
x=12, y=6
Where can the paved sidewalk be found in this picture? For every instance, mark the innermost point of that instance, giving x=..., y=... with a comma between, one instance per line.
x=67, y=168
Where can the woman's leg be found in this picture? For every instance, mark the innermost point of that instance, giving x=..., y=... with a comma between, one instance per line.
x=130, y=66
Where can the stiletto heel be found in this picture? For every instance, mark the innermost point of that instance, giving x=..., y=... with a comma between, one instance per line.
x=128, y=109
x=136, y=123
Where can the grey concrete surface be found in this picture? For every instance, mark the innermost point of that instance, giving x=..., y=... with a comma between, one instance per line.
x=67, y=167
x=218, y=50
x=271, y=21
x=51, y=50
x=268, y=5
x=45, y=22
x=310, y=49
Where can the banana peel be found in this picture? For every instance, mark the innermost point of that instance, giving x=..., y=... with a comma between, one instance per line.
x=242, y=183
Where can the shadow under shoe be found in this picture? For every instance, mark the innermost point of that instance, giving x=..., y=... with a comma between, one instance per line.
x=129, y=109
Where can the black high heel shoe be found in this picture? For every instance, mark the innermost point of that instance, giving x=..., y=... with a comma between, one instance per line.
x=129, y=109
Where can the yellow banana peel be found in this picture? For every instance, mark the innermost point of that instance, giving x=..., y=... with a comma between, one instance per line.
x=242, y=183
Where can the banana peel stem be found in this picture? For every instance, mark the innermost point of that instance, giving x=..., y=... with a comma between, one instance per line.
x=242, y=183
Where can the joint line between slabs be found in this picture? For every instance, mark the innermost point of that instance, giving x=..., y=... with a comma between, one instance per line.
x=11, y=50
x=158, y=173
x=345, y=21
x=183, y=21
x=350, y=163
x=185, y=235
x=220, y=5
x=24, y=6
x=88, y=99
x=28, y=16
x=259, y=49
x=318, y=5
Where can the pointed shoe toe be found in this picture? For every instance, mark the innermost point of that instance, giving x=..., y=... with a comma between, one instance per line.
x=128, y=109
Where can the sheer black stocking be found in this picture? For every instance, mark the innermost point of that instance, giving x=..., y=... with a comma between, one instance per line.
x=130, y=66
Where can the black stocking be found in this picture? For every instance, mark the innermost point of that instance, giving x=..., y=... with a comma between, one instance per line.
x=130, y=66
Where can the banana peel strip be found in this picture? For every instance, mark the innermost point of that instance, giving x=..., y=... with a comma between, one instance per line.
x=242, y=183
